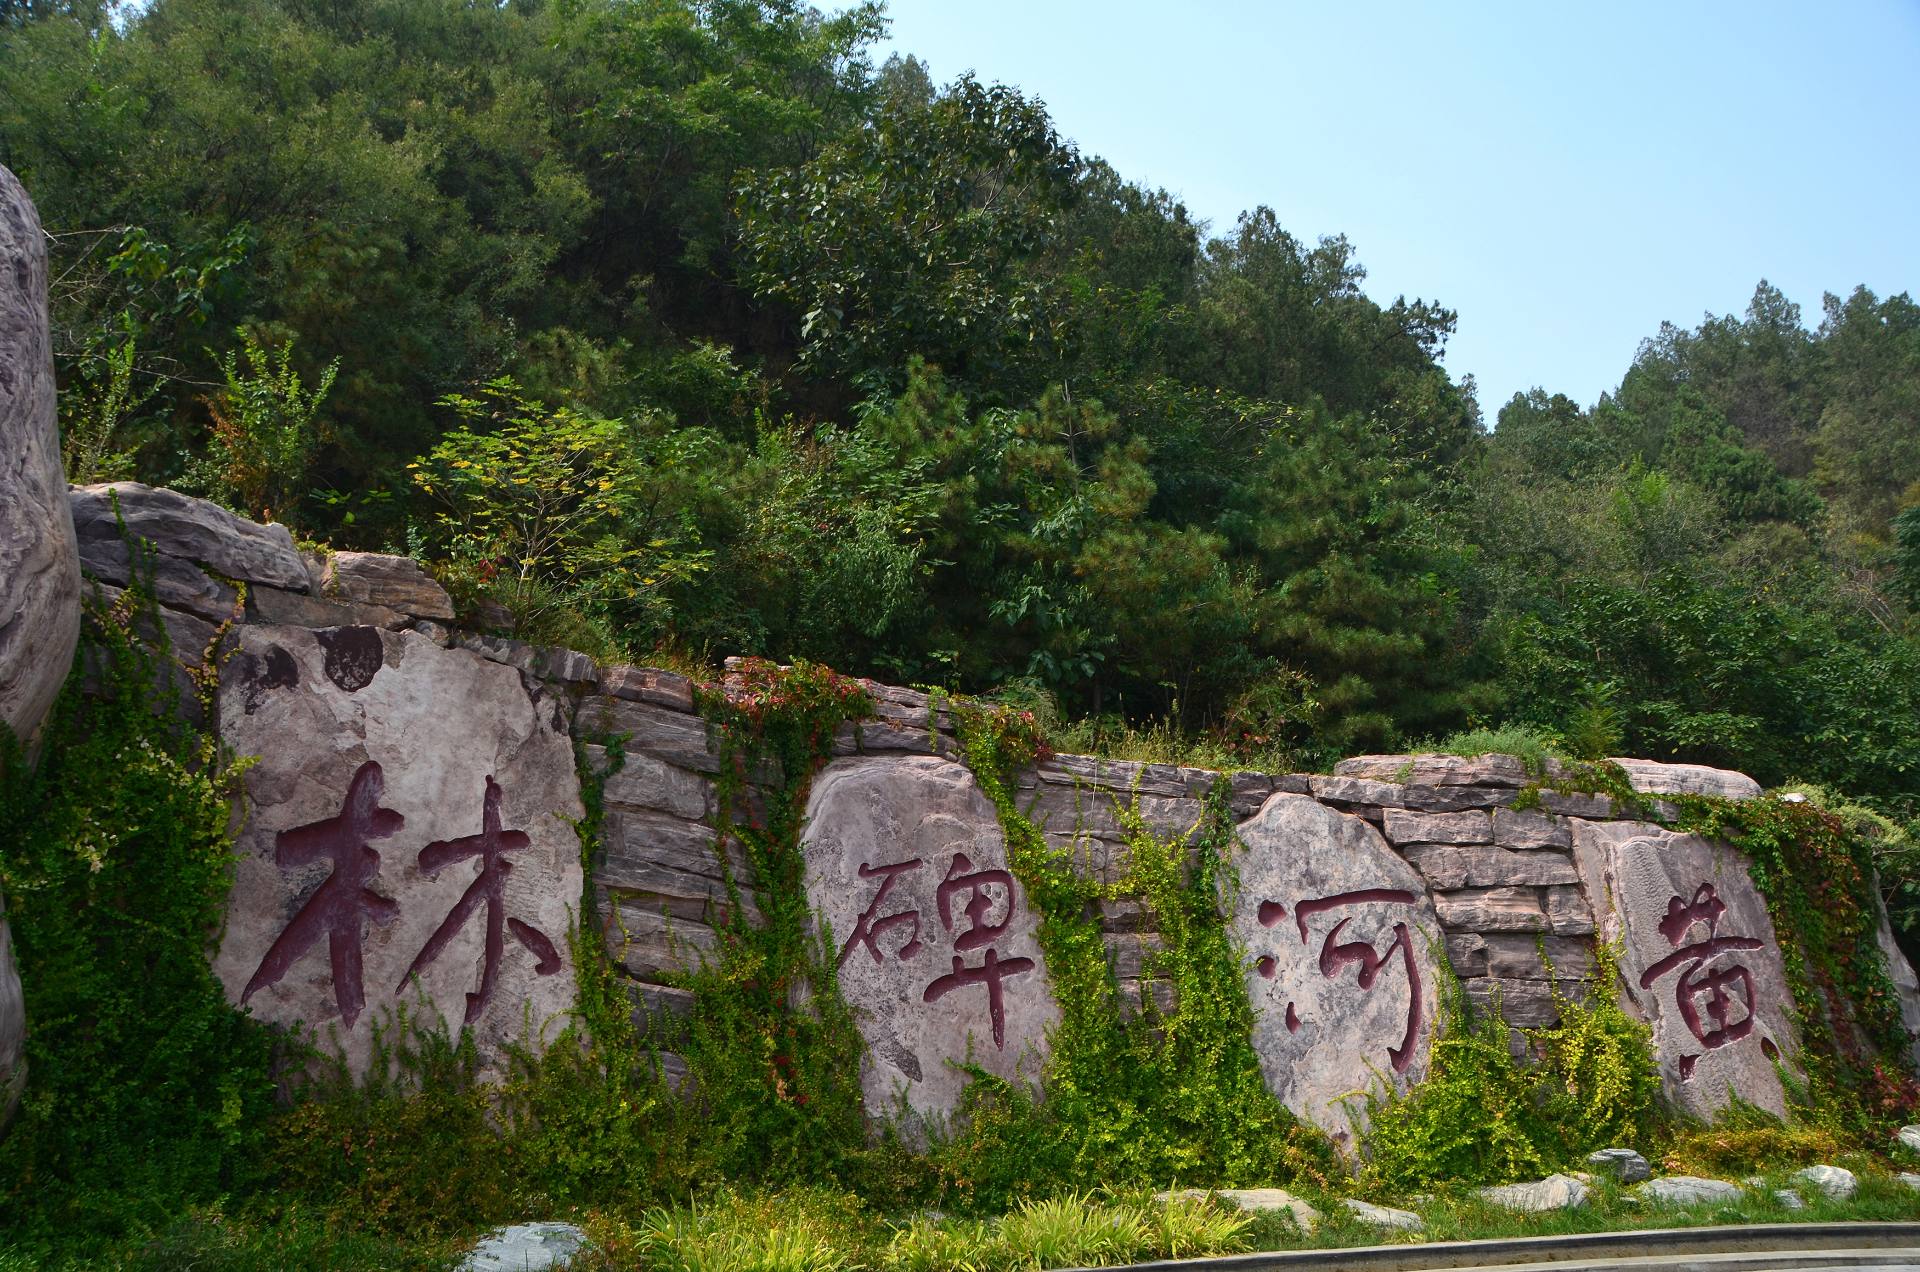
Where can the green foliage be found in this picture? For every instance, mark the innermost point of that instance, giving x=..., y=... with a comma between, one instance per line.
x=147, y=1090
x=1818, y=879
x=1483, y=1115
x=779, y=1100
x=554, y=509
x=263, y=436
x=1147, y=1096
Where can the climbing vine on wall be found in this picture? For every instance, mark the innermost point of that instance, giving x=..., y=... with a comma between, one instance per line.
x=147, y=1090
x=1155, y=1095
x=1819, y=883
x=770, y=1039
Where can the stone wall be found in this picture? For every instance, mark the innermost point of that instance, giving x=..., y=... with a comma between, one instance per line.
x=374, y=712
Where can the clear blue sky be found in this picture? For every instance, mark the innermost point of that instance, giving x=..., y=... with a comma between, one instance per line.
x=1565, y=176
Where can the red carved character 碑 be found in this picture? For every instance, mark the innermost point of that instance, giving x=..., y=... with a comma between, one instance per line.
x=978, y=886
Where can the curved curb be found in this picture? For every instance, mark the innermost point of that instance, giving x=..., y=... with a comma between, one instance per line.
x=1645, y=1243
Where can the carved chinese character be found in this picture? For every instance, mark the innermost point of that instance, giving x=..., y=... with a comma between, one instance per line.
x=962, y=877
x=491, y=846
x=1336, y=955
x=338, y=908
x=1698, y=985
x=868, y=930
x=978, y=886
x=992, y=970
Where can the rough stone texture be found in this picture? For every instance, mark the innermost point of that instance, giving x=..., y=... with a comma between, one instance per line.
x=1555, y=1192
x=1403, y=827
x=1687, y=1190
x=1622, y=1164
x=939, y=959
x=177, y=584
x=394, y=582
x=525, y=1247
x=1789, y=1199
x=1836, y=1182
x=1700, y=960
x=298, y=609
x=1652, y=778
x=39, y=567
x=1909, y=1179
x=1492, y=910
x=648, y=684
x=1322, y=903
x=1254, y=1201
x=1909, y=1138
x=1530, y=829
x=1906, y=985
x=1384, y=1216
x=452, y=850
x=1449, y=866
x=1438, y=770
x=192, y=530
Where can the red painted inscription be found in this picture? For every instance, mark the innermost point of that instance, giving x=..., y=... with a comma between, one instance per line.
x=342, y=903
x=1717, y=1003
x=1336, y=955
x=490, y=846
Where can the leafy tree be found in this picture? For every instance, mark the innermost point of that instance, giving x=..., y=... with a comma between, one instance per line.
x=909, y=237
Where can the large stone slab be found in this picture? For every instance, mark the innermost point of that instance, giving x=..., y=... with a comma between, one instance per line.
x=408, y=839
x=192, y=530
x=938, y=947
x=39, y=566
x=1342, y=958
x=1699, y=960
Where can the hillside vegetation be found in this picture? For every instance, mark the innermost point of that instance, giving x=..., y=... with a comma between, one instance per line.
x=687, y=329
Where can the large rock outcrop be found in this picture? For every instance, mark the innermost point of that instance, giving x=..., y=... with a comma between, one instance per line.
x=938, y=948
x=410, y=842
x=1343, y=959
x=39, y=568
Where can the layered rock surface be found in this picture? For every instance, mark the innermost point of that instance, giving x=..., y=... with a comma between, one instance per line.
x=337, y=662
x=39, y=567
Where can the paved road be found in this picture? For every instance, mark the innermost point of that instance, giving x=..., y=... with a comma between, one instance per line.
x=1773, y=1247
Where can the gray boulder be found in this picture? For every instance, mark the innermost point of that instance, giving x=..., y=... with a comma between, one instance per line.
x=1254, y=1201
x=1622, y=1164
x=938, y=943
x=1909, y=1137
x=1652, y=778
x=39, y=567
x=191, y=530
x=1555, y=1192
x=1384, y=1216
x=1687, y=1190
x=1836, y=1182
x=1789, y=1199
x=525, y=1247
x=1312, y=889
x=396, y=582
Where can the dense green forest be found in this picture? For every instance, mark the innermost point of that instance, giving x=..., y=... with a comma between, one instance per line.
x=689, y=328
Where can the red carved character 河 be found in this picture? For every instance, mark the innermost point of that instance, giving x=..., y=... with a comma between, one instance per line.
x=1336, y=955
